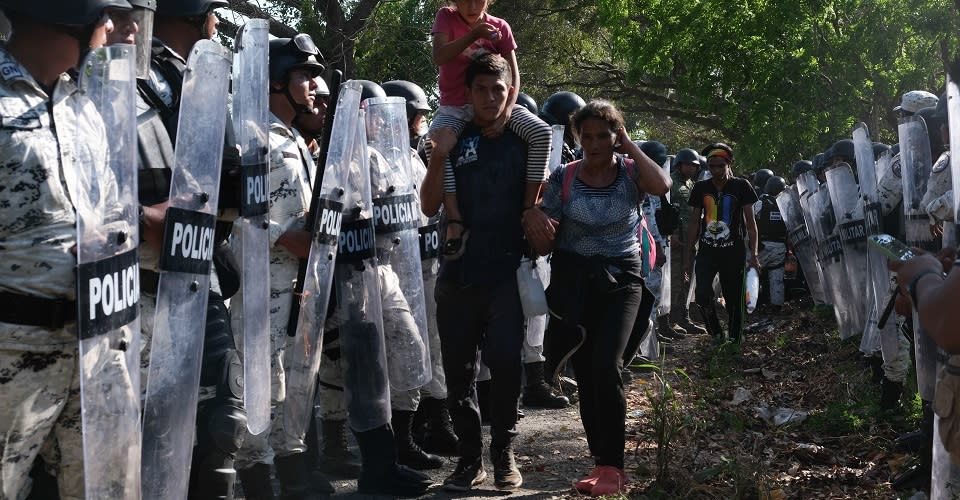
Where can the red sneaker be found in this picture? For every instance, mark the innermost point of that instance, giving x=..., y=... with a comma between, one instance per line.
x=586, y=484
x=610, y=481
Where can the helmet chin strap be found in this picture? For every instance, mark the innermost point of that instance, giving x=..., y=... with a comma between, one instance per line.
x=299, y=108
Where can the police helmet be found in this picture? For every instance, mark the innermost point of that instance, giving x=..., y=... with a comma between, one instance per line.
x=370, y=89
x=686, y=155
x=63, y=12
x=761, y=176
x=559, y=107
x=774, y=185
x=527, y=102
x=144, y=4
x=656, y=151
x=842, y=150
x=799, y=168
x=415, y=96
x=288, y=54
x=817, y=162
x=878, y=149
x=915, y=100
x=188, y=8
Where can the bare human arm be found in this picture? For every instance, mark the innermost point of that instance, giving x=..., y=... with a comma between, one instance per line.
x=936, y=295
x=650, y=177
x=431, y=189
x=445, y=50
x=692, y=229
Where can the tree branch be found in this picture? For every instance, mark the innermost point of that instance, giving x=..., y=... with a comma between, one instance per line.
x=277, y=28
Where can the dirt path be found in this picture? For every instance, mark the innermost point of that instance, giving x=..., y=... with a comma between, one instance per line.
x=717, y=444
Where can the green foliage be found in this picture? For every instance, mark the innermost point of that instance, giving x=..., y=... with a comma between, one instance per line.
x=396, y=44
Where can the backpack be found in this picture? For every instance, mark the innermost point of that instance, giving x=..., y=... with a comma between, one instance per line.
x=668, y=217
x=648, y=247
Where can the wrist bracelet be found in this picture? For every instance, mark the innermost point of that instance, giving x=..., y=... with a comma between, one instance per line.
x=912, y=286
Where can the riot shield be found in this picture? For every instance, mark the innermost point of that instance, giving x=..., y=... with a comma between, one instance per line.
x=108, y=285
x=789, y=203
x=663, y=307
x=878, y=282
x=915, y=165
x=556, y=147
x=848, y=214
x=953, y=120
x=396, y=216
x=804, y=182
x=359, y=315
x=830, y=255
x=172, y=386
x=250, y=121
x=302, y=357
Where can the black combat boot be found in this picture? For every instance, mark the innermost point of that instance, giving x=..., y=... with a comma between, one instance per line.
x=408, y=453
x=890, y=393
x=439, y=437
x=506, y=475
x=382, y=475
x=334, y=457
x=921, y=438
x=294, y=478
x=256, y=482
x=666, y=329
x=537, y=394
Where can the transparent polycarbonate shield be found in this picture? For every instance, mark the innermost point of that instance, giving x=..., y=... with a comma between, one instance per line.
x=789, y=203
x=302, y=357
x=396, y=218
x=848, y=213
x=879, y=276
x=108, y=287
x=251, y=122
x=556, y=147
x=665, y=283
x=170, y=410
x=360, y=287
x=916, y=164
x=830, y=255
x=953, y=120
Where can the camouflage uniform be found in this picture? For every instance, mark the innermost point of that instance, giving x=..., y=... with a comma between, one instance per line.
x=39, y=376
x=291, y=168
x=437, y=386
x=680, y=289
x=938, y=200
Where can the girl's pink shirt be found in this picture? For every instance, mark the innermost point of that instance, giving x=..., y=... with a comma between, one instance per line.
x=453, y=90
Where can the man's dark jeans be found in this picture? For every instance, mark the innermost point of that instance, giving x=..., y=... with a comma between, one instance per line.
x=475, y=320
x=729, y=263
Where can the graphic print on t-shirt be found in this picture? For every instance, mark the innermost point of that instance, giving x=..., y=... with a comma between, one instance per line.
x=718, y=217
x=468, y=152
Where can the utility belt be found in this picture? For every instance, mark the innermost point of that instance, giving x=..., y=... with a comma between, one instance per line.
x=36, y=311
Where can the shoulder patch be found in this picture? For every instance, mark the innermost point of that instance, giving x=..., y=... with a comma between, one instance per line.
x=10, y=70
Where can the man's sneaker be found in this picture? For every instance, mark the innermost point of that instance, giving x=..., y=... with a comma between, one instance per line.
x=469, y=473
x=506, y=475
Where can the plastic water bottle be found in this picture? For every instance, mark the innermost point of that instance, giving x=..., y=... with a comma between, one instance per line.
x=753, y=289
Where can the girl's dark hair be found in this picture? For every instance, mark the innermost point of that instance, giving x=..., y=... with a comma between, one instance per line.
x=600, y=109
x=489, y=64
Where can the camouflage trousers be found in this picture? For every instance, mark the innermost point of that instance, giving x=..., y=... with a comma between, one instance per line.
x=277, y=440
x=772, y=258
x=40, y=408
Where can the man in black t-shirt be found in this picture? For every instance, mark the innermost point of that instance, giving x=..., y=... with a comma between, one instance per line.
x=723, y=205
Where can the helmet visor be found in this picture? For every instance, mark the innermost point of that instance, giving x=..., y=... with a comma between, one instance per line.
x=305, y=44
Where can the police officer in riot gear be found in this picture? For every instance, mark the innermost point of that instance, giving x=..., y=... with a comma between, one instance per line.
x=417, y=107
x=799, y=168
x=38, y=286
x=773, y=239
x=221, y=420
x=432, y=427
x=557, y=110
